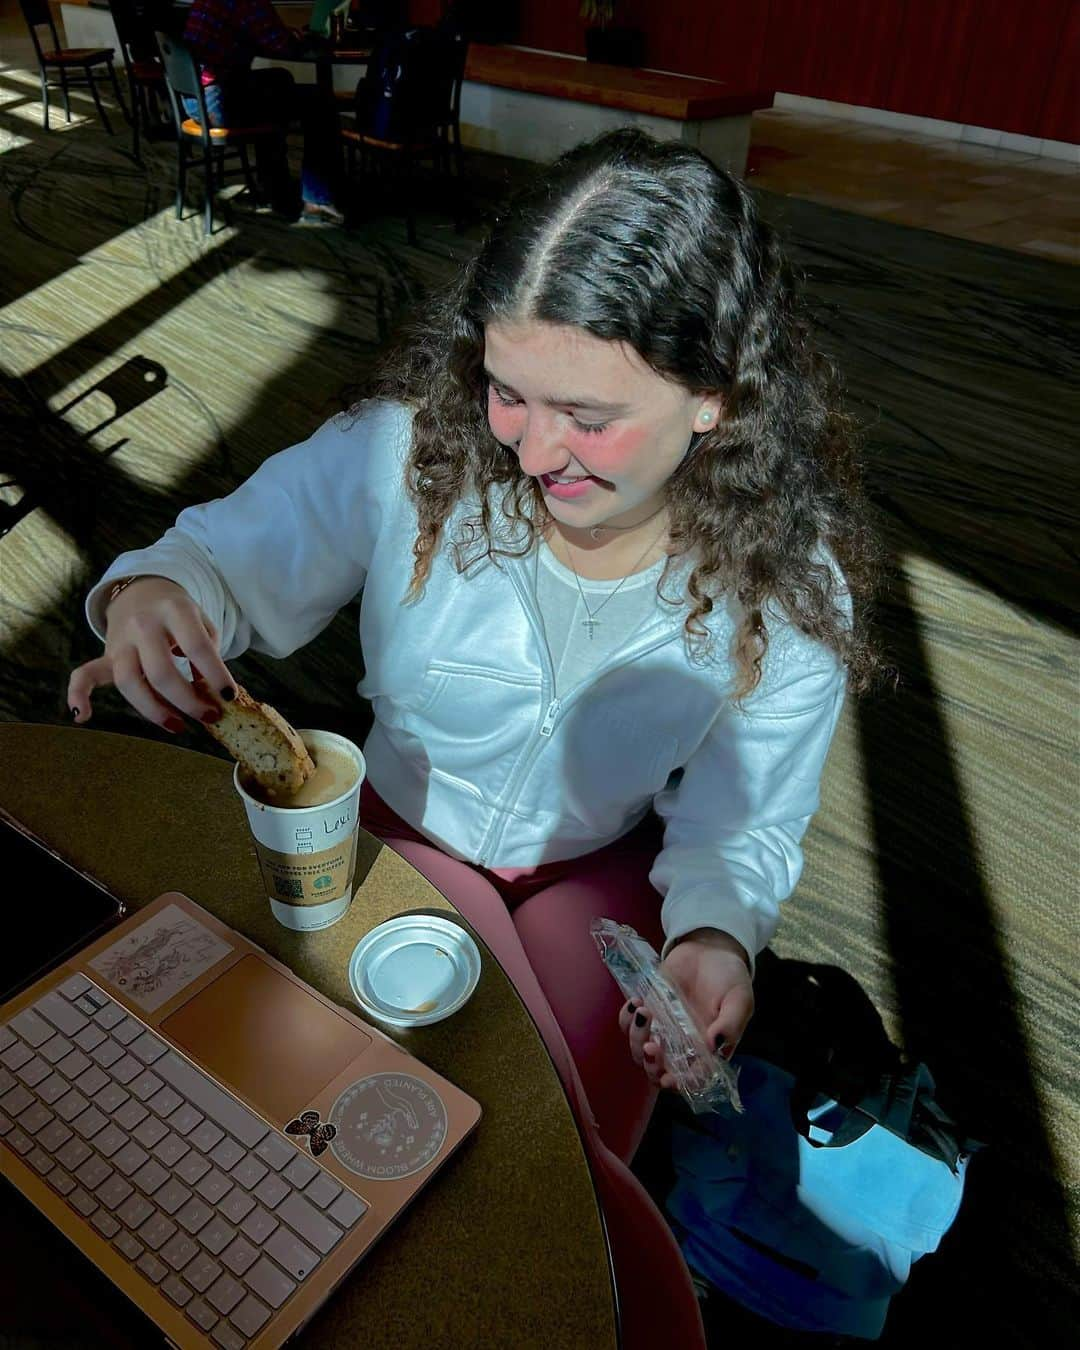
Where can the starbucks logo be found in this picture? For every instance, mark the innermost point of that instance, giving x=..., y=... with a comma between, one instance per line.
x=389, y=1125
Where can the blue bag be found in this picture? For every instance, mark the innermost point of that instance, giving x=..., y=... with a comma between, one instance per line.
x=807, y=1211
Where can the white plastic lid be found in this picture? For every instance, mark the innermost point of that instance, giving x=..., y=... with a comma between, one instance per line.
x=414, y=970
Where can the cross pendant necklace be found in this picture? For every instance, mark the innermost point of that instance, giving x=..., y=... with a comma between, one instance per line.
x=592, y=623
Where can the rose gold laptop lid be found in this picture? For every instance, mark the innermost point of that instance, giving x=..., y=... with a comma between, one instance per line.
x=247, y=1045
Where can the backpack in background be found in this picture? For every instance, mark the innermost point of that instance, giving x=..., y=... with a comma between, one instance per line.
x=810, y=1208
x=407, y=88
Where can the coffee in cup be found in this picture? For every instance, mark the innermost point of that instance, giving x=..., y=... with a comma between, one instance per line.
x=335, y=773
x=306, y=840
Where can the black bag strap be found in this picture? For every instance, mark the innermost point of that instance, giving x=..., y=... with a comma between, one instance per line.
x=817, y=1023
x=904, y=1104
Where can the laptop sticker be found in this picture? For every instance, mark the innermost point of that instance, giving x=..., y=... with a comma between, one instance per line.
x=318, y=1136
x=388, y=1126
x=160, y=958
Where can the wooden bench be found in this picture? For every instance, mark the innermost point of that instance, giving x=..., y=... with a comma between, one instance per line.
x=534, y=105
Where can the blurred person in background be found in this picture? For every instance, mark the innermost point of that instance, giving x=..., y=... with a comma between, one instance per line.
x=225, y=36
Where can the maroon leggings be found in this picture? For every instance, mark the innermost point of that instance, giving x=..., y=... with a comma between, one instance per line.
x=537, y=927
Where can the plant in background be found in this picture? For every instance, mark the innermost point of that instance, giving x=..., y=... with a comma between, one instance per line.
x=597, y=13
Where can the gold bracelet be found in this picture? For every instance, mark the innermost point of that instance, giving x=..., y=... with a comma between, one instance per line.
x=119, y=586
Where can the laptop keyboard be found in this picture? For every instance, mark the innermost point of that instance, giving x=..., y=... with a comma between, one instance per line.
x=207, y=1201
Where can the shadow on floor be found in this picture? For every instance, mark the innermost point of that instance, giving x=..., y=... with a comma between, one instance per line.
x=957, y=999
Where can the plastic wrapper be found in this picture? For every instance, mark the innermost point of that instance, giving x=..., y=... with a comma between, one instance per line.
x=705, y=1079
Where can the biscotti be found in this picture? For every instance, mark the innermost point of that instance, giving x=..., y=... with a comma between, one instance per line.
x=267, y=748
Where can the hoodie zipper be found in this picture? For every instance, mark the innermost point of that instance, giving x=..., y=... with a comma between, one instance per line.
x=547, y=721
x=552, y=708
x=550, y=716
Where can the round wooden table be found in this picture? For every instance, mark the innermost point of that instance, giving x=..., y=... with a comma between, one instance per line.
x=504, y=1249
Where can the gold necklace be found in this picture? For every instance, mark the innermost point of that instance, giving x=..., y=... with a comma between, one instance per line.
x=592, y=622
x=596, y=530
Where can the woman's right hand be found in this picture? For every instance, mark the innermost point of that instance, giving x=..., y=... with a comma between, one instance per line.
x=151, y=621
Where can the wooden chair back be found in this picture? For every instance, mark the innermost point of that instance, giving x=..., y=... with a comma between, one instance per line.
x=38, y=15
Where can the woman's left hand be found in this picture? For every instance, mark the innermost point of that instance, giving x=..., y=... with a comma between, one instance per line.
x=712, y=972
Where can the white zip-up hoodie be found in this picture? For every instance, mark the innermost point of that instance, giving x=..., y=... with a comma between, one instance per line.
x=469, y=744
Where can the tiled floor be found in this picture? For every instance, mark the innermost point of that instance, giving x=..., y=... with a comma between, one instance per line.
x=1001, y=197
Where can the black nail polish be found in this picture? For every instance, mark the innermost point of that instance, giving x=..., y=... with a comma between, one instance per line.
x=640, y=1020
x=228, y=693
x=75, y=713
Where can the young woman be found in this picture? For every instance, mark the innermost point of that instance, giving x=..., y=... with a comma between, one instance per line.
x=607, y=528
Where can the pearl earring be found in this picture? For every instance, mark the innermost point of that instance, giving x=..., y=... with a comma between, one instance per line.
x=706, y=416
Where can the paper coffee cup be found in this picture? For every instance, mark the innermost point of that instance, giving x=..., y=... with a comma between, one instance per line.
x=307, y=854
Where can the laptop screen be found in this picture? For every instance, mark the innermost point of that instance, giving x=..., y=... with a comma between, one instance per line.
x=50, y=909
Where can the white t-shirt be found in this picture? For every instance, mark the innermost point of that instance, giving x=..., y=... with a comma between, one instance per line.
x=619, y=607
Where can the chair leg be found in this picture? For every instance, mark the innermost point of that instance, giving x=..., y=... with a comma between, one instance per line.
x=221, y=171
x=132, y=98
x=138, y=112
x=44, y=99
x=92, y=82
x=117, y=93
x=459, y=157
x=158, y=104
x=67, y=97
x=208, y=180
x=249, y=180
x=181, y=178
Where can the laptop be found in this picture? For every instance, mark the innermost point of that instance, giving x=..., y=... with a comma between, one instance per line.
x=79, y=907
x=220, y=1140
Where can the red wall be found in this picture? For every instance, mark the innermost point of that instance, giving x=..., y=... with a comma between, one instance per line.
x=1007, y=64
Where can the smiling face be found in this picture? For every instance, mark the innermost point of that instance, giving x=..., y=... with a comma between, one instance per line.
x=597, y=427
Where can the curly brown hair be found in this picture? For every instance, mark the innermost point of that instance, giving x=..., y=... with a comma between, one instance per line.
x=648, y=243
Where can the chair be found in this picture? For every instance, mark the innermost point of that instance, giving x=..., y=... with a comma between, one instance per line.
x=182, y=81
x=65, y=61
x=656, y=1298
x=145, y=73
x=657, y=1302
x=408, y=105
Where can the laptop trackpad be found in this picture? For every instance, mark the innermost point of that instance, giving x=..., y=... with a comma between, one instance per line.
x=266, y=1036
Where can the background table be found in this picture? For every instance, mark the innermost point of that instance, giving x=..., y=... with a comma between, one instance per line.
x=336, y=70
x=504, y=1249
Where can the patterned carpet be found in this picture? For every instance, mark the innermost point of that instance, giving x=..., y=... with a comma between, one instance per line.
x=142, y=368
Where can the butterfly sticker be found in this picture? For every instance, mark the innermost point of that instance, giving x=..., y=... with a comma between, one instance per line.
x=318, y=1135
